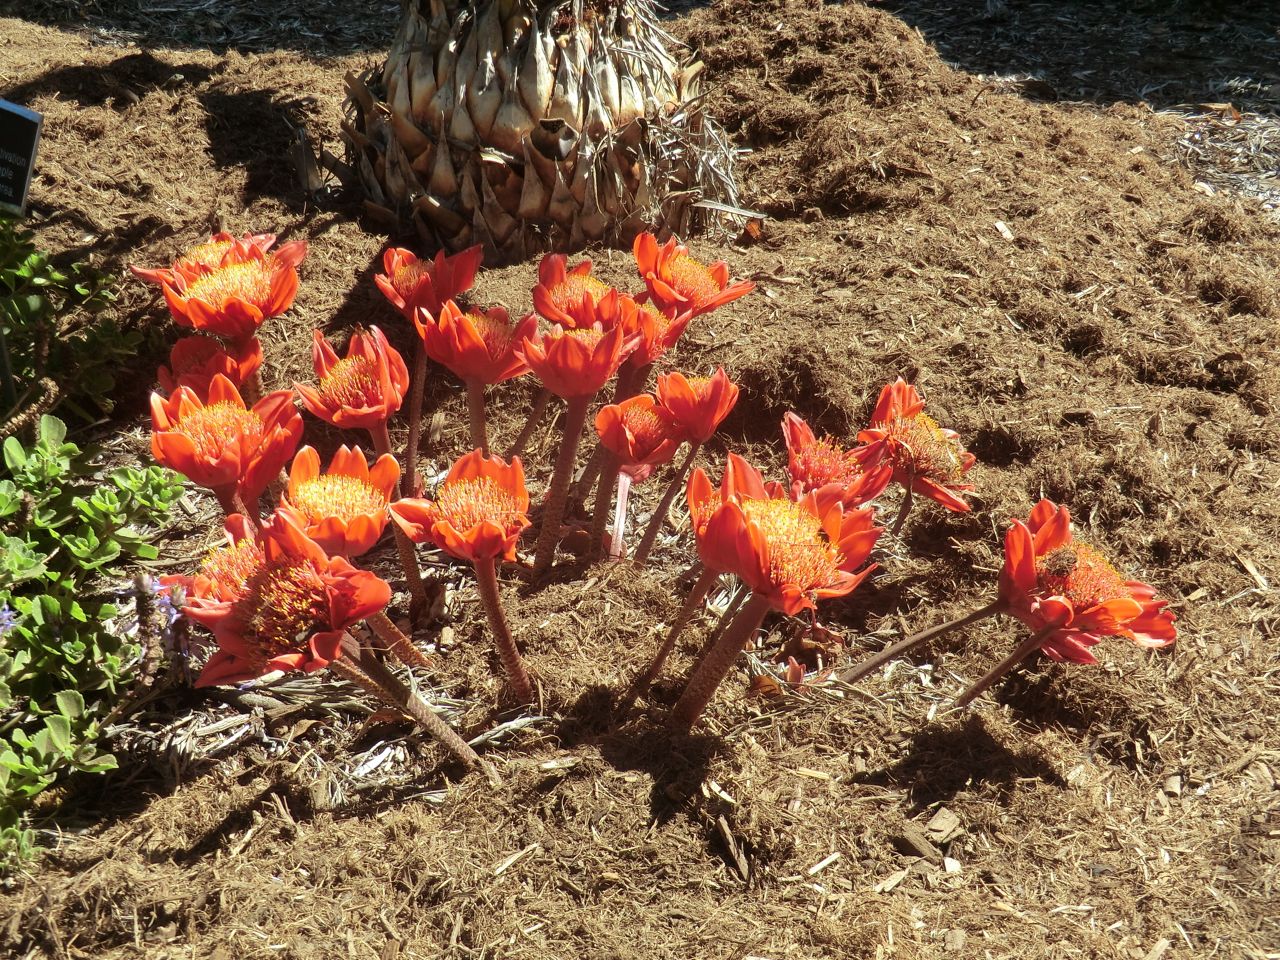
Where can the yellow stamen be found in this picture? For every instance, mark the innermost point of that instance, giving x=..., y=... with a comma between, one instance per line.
x=823, y=462
x=572, y=289
x=407, y=277
x=1081, y=574
x=692, y=279
x=648, y=429
x=495, y=334
x=214, y=428
x=352, y=382
x=249, y=281
x=232, y=566
x=337, y=495
x=207, y=254
x=799, y=552
x=926, y=451
x=466, y=503
x=281, y=604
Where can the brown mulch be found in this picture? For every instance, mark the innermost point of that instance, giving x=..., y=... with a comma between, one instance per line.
x=1118, y=354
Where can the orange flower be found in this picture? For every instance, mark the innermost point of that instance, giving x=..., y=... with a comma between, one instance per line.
x=412, y=284
x=559, y=295
x=226, y=569
x=477, y=346
x=678, y=281
x=235, y=297
x=925, y=457
x=203, y=257
x=219, y=444
x=814, y=463
x=360, y=391
x=659, y=330
x=286, y=612
x=479, y=511
x=344, y=509
x=1051, y=581
x=636, y=435
x=696, y=406
x=195, y=361
x=575, y=363
x=790, y=552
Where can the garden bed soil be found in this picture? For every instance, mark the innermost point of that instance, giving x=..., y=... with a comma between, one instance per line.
x=1097, y=328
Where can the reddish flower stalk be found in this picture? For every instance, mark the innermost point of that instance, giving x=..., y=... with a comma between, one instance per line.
x=361, y=667
x=396, y=642
x=692, y=604
x=478, y=515
x=659, y=518
x=789, y=553
x=573, y=364
x=633, y=440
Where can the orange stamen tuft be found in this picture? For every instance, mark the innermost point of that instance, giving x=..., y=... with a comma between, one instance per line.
x=352, y=382
x=1081, y=574
x=232, y=567
x=928, y=451
x=249, y=281
x=219, y=425
x=336, y=495
x=467, y=503
x=693, y=280
x=495, y=334
x=279, y=607
x=799, y=552
x=571, y=291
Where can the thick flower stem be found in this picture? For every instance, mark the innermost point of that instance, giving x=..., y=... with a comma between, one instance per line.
x=475, y=411
x=716, y=664
x=553, y=508
x=660, y=514
x=1020, y=653
x=692, y=603
x=620, y=516
x=416, y=389
x=399, y=645
x=363, y=669
x=535, y=417
x=903, y=510
x=609, y=476
x=232, y=501
x=517, y=676
x=905, y=646
x=420, y=603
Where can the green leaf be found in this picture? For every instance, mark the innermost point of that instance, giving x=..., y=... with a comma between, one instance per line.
x=70, y=703
x=52, y=430
x=15, y=458
x=59, y=728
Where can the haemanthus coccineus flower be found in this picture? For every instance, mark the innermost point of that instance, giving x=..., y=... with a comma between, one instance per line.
x=696, y=406
x=574, y=363
x=476, y=345
x=634, y=433
x=411, y=283
x=926, y=458
x=343, y=509
x=287, y=612
x=1067, y=592
x=792, y=552
x=363, y=389
x=220, y=444
x=678, y=281
x=478, y=515
x=789, y=553
x=1055, y=583
x=479, y=511
x=814, y=463
x=203, y=257
x=559, y=294
x=194, y=362
x=249, y=285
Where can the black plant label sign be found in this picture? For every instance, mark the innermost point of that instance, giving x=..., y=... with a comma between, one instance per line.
x=19, y=136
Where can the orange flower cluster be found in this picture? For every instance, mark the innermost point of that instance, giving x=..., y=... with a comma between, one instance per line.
x=283, y=593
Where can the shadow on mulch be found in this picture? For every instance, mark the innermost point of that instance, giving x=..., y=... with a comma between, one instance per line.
x=324, y=28
x=1164, y=52
x=941, y=761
